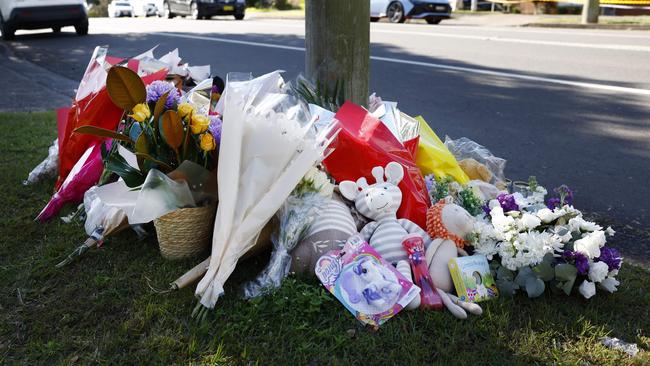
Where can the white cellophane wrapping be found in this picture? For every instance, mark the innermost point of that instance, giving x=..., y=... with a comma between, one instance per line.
x=268, y=143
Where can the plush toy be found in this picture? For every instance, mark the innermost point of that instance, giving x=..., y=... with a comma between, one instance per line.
x=448, y=224
x=475, y=170
x=329, y=231
x=380, y=202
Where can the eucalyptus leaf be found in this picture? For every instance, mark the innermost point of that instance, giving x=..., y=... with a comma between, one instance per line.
x=545, y=270
x=565, y=272
x=534, y=287
x=505, y=274
x=525, y=273
x=506, y=288
x=568, y=286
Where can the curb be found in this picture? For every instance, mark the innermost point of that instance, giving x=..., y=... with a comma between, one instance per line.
x=590, y=26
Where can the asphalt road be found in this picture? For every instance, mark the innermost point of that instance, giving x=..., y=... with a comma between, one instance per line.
x=569, y=106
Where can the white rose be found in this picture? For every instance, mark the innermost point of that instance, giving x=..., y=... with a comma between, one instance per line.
x=545, y=215
x=530, y=222
x=587, y=246
x=598, y=271
x=587, y=289
x=599, y=238
x=609, y=284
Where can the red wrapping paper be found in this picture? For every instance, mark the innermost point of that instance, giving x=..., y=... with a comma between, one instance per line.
x=96, y=109
x=364, y=143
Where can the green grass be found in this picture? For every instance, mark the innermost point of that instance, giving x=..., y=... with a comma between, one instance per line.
x=101, y=310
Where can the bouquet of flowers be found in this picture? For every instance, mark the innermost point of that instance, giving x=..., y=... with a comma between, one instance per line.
x=161, y=132
x=531, y=245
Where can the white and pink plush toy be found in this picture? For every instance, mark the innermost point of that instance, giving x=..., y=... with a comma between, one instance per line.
x=380, y=202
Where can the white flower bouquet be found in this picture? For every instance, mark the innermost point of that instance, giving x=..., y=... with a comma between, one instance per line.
x=531, y=245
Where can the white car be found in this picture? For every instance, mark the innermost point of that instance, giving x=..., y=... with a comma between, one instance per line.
x=144, y=8
x=37, y=14
x=397, y=11
x=120, y=8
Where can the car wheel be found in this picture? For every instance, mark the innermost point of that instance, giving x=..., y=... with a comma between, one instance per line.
x=56, y=29
x=194, y=12
x=374, y=19
x=167, y=11
x=395, y=12
x=82, y=28
x=240, y=16
x=433, y=20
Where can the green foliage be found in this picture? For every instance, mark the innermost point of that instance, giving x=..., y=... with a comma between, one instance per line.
x=330, y=98
x=101, y=310
x=470, y=202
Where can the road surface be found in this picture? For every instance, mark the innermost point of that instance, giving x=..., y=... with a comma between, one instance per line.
x=569, y=106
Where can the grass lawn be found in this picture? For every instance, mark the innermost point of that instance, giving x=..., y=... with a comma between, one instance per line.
x=101, y=310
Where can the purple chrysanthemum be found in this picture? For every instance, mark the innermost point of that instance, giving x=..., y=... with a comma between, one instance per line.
x=486, y=209
x=580, y=260
x=507, y=202
x=215, y=128
x=611, y=257
x=156, y=90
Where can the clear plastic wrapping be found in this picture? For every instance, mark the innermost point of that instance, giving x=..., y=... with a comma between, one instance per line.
x=464, y=148
x=48, y=168
x=295, y=218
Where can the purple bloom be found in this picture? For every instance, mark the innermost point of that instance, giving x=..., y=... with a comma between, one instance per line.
x=565, y=193
x=486, y=209
x=507, y=202
x=215, y=128
x=552, y=203
x=429, y=181
x=156, y=90
x=580, y=260
x=611, y=257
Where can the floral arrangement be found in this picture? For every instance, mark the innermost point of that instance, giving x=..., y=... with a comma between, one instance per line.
x=157, y=128
x=532, y=244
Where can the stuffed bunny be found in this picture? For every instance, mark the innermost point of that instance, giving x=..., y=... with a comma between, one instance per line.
x=380, y=202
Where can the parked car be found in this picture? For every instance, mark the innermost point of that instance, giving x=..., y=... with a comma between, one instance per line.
x=204, y=9
x=120, y=8
x=144, y=8
x=37, y=14
x=397, y=11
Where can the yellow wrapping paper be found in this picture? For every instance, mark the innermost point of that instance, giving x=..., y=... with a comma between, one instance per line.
x=434, y=157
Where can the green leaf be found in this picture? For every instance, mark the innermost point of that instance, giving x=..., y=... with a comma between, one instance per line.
x=568, y=286
x=160, y=106
x=164, y=166
x=565, y=272
x=171, y=129
x=505, y=274
x=534, y=287
x=506, y=288
x=525, y=273
x=101, y=132
x=545, y=270
x=132, y=176
x=125, y=88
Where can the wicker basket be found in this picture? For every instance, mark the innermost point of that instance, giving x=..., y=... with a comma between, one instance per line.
x=185, y=232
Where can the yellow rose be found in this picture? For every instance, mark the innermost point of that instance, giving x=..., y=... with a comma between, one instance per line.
x=199, y=124
x=141, y=112
x=207, y=142
x=185, y=109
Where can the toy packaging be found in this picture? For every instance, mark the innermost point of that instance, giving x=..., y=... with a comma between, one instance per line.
x=368, y=286
x=472, y=278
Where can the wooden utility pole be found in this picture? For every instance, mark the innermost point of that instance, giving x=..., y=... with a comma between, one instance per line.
x=337, y=41
x=590, y=11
